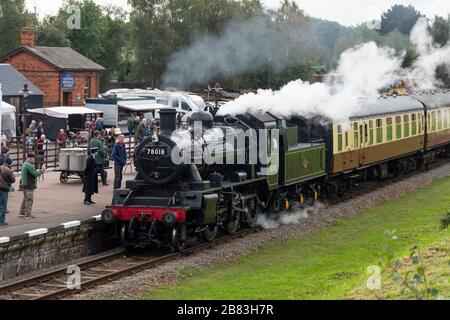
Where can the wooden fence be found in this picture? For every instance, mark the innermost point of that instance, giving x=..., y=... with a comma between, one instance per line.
x=49, y=154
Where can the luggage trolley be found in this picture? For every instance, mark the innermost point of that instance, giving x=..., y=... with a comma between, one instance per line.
x=72, y=163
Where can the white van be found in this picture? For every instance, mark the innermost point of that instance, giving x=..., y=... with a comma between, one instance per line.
x=118, y=105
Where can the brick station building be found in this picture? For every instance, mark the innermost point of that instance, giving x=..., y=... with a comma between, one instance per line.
x=65, y=76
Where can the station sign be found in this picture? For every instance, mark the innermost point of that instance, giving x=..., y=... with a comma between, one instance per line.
x=67, y=81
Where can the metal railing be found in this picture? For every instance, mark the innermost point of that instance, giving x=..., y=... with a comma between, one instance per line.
x=48, y=153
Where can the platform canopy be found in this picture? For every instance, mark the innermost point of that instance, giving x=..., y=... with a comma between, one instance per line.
x=8, y=119
x=7, y=108
x=64, y=112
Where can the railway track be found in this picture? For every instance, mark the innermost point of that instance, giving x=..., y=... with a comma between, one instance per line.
x=53, y=285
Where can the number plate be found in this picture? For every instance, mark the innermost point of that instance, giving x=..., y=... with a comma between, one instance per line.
x=156, y=151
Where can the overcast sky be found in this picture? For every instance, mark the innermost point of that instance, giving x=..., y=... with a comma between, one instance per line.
x=347, y=12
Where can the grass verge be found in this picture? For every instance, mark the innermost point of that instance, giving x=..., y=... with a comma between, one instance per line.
x=332, y=263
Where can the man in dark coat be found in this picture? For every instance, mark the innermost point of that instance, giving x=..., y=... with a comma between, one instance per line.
x=119, y=154
x=90, y=174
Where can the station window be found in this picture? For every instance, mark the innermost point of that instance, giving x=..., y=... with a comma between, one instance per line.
x=87, y=87
x=413, y=124
x=379, y=130
x=406, y=125
x=389, y=129
x=355, y=135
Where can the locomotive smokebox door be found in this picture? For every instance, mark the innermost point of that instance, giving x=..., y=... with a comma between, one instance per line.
x=210, y=207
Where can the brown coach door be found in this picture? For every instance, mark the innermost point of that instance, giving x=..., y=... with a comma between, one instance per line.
x=364, y=142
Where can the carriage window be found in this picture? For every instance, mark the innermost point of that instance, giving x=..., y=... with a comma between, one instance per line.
x=433, y=121
x=379, y=130
x=406, y=126
x=413, y=124
x=371, y=140
x=398, y=127
x=339, y=142
x=355, y=135
x=445, y=117
x=389, y=129
x=339, y=136
x=346, y=139
x=439, y=120
x=421, y=119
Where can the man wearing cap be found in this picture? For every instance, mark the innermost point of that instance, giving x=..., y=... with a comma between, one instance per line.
x=28, y=183
x=7, y=179
x=90, y=177
x=100, y=155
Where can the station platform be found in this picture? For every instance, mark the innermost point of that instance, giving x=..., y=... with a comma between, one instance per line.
x=56, y=204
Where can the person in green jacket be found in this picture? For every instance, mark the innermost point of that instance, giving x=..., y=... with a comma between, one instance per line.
x=95, y=143
x=131, y=124
x=28, y=183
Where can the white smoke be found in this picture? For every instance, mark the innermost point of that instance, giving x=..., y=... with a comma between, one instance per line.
x=243, y=46
x=430, y=57
x=363, y=70
x=293, y=217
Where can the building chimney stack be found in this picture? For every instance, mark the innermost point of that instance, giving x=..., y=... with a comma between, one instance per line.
x=28, y=35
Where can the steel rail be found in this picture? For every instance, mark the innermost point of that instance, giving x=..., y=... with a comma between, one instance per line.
x=48, y=277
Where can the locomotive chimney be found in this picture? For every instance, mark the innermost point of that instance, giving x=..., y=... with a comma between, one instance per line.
x=168, y=120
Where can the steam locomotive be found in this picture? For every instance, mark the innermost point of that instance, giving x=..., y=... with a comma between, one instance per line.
x=299, y=160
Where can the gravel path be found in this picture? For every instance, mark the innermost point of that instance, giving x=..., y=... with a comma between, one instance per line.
x=132, y=287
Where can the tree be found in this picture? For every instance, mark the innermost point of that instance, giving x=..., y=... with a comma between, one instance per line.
x=12, y=19
x=410, y=57
x=52, y=32
x=102, y=37
x=440, y=31
x=399, y=17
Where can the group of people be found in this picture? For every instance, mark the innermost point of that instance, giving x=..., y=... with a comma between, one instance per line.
x=27, y=184
x=33, y=167
x=140, y=129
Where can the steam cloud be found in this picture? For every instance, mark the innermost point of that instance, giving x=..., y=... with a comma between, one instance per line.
x=363, y=69
x=243, y=47
x=294, y=217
